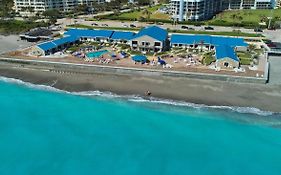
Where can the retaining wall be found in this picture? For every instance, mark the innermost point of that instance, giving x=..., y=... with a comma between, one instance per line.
x=94, y=69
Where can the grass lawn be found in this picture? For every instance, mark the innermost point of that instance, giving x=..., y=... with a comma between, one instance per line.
x=159, y=15
x=245, y=58
x=137, y=14
x=16, y=27
x=208, y=58
x=245, y=16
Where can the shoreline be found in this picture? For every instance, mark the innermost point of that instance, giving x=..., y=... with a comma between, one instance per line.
x=208, y=92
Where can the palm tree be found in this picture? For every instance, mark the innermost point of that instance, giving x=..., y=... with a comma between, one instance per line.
x=146, y=14
x=116, y=12
x=251, y=47
x=30, y=9
x=201, y=45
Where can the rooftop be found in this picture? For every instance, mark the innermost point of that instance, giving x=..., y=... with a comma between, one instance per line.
x=89, y=33
x=224, y=51
x=155, y=32
x=55, y=43
x=119, y=35
x=207, y=39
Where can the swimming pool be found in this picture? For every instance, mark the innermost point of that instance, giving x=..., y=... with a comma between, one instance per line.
x=96, y=54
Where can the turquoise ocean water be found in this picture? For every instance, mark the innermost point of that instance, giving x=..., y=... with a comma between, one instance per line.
x=44, y=131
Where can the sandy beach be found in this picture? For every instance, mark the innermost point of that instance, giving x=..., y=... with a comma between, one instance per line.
x=12, y=42
x=265, y=97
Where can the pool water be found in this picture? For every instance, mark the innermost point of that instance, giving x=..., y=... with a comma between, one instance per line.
x=96, y=54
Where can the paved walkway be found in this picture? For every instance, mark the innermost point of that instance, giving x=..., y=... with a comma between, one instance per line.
x=275, y=70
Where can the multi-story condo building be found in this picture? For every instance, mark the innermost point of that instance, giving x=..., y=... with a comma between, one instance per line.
x=278, y=3
x=195, y=9
x=252, y=4
x=39, y=6
x=205, y=9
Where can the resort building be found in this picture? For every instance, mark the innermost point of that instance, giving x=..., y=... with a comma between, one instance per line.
x=121, y=37
x=51, y=47
x=226, y=57
x=75, y=36
x=195, y=10
x=90, y=35
x=27, y=7
x=224, y=47
x=150, y=39
x=278, y=4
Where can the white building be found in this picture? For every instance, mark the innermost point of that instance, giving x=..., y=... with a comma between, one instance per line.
x=39, y=6
x=194, y=9
x=182, y=10
x=252, y=4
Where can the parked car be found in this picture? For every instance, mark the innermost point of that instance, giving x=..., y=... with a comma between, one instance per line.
x=150, y=22
x=133, y=25
x=125, y=25
x=104, y=25
x=160, y=23
x=184, y=27
x=191, y=28
x=258, y=30
x=209, y=28
x=95, y=24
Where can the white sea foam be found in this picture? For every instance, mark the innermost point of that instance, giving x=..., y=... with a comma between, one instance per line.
x=139, y=99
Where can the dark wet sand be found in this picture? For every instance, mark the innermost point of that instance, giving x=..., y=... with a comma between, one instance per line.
x=209, y=92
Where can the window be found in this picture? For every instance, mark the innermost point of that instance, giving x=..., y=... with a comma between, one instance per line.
x=134, y=42
x=157, y=43
x=226, y=64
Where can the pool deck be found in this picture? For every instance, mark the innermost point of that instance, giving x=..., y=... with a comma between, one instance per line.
x=91, y=68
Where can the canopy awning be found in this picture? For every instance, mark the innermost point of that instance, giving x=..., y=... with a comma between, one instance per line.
x=139, y=58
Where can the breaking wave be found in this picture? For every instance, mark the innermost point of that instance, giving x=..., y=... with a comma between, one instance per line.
x=140, y=99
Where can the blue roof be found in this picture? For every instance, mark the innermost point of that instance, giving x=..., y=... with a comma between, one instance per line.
x=190, y=39
x=154, y=32
x=47, y=46
x=139, y=58
x=55, y=43
x=230, y=41
x=223, y=51
x=89, y=33
x=119, y=35
x=64, y=40
x=207, y=39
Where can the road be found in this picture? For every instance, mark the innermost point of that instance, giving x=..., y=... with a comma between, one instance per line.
x=274, y=35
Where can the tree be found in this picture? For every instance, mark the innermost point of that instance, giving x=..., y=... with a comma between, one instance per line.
x=52, y=15
x=30, y=9
x=116, y=12
x=146, y=14
x=251, y=47
x=143, y=2
x=6, y=8
x=81, y=9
